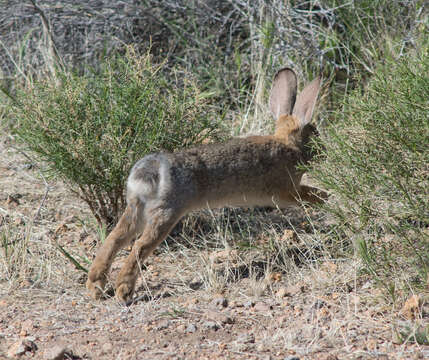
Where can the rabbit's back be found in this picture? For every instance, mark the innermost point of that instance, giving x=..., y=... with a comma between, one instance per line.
x=241, y=172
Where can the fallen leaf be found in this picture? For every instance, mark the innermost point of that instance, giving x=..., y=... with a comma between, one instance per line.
x=275, y=277
x=411, y=307
x=330, y=267
x=290, y=238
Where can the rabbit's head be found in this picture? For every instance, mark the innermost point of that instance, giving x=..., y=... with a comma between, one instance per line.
x=293, y=113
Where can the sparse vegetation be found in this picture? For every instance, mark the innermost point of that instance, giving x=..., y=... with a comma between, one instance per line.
x=375, y=162
x=306, y=282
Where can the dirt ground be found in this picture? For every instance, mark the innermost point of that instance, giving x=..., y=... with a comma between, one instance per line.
x=323, y=310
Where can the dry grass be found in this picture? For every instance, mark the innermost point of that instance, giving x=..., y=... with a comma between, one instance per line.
x=299, y=302
x=289, y=279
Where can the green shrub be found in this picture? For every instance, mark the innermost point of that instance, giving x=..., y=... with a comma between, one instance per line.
x=91, y=129
x=376, y=164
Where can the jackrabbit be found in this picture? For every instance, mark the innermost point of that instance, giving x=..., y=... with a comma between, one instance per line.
x=250, y=171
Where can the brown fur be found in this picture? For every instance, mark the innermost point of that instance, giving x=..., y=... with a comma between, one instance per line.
x=252, y=171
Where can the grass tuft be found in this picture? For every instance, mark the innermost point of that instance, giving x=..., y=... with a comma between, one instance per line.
x=376, y=165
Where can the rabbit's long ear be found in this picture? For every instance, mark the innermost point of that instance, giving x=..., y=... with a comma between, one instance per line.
x=283, y=92
x=306, y=101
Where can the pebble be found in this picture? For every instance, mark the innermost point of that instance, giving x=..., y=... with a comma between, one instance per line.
x=21, y=347
x=220, y=317
x=210, y=325
x=219, y=302
x=17, y=349
x=195, y=284
x=260, y=347
x=163, y=325
x=282, y=292
x=260, y=306
x=27, y=166
x=56, y=352
x=191, y=328
x=318, y=304
x=107, y=347
x=181, y=328
x=246, y=338
x=143, y=348
x=249, y=304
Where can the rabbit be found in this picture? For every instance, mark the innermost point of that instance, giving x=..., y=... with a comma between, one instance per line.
x=243, y=172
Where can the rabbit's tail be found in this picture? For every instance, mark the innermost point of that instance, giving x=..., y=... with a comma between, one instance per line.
x=146, y=178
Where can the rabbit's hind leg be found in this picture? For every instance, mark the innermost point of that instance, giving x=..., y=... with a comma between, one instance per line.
x=160, y=220
x=130, y=224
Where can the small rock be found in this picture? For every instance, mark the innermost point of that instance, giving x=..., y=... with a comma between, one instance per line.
x=191, y=328
x=21, y=347
x=219, y=302
x=223, y=256
x=163, y=325
x=246, y=338
x=291, y=358
x=19, y=221
x=30, y=338
x=56, y=352
x=181, y=328
x=249, y=304
x=210, y=325
x=329, y=267
x=27, y=166
x=220, y=317
x=260, y=347
x=27, y=325
x=282, y=292
x=318, y=304
x=13, y=199
x=294, y=289
x=260, y=306
x=30, y=344
x=17, y=349
x=143, y=348
x=195, y=284
x=367, y=285
x=107, y=347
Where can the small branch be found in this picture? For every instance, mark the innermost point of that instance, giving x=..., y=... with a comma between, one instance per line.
x=71, y=258
x=47, y=188
x=48, y=34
